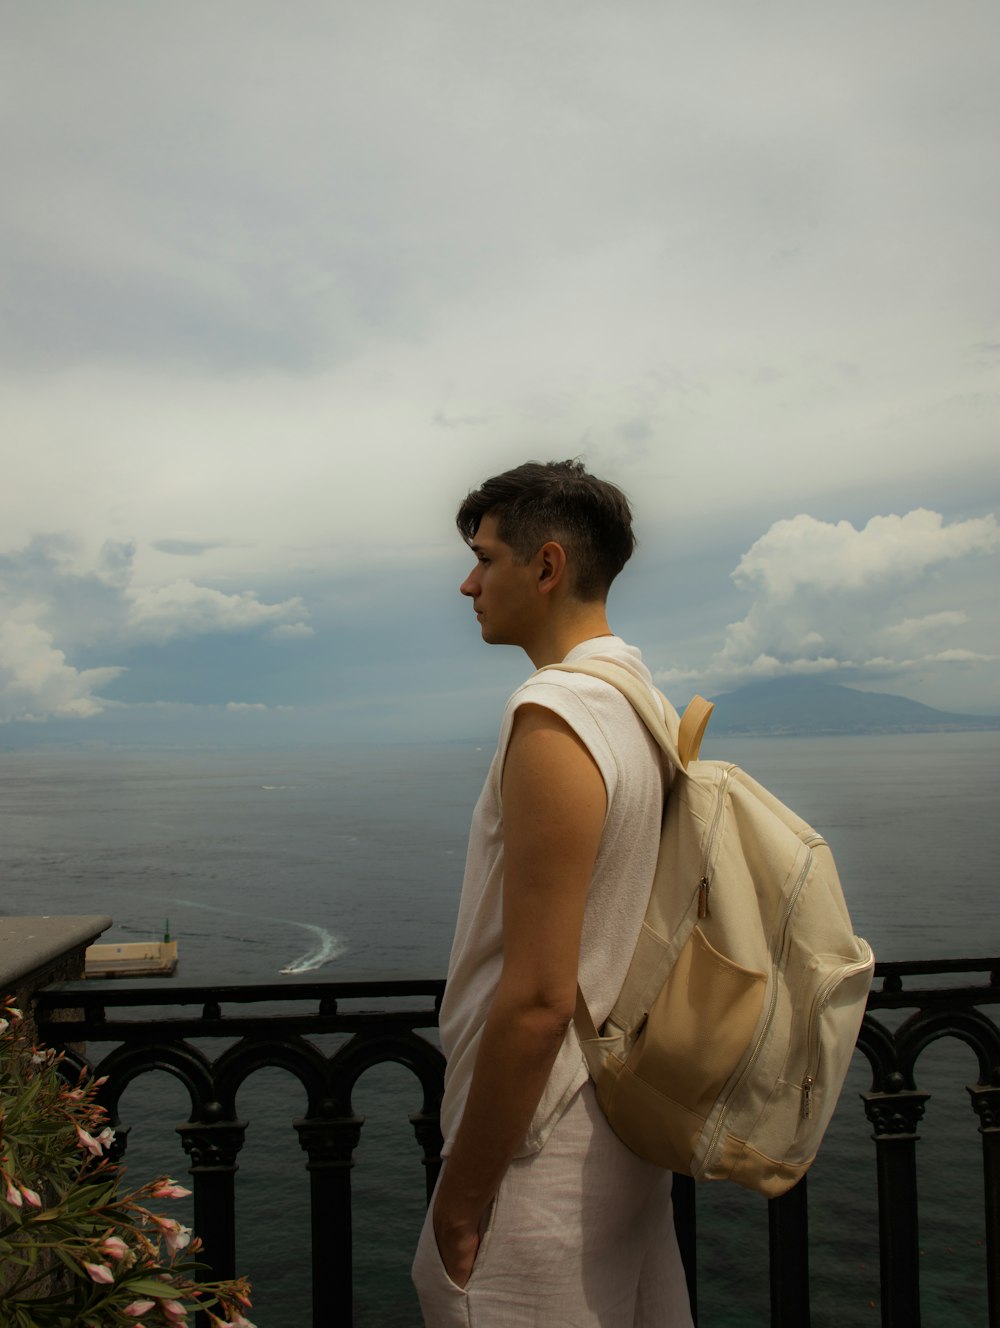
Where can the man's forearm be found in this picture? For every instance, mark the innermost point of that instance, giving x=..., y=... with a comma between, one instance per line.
x=518, y=1047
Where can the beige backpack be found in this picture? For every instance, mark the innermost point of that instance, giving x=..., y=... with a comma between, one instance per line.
x=728, y=1046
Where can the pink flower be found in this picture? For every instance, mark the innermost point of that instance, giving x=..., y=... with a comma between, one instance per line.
x=173, y=1309
x=114, y=1246
x=139, y=1307
x=169, y=1189
x=89, y=1142
x=241, y=1322
x=96, y=1146
x=99, y=1272
x=32, y=1196
x=176, y=1236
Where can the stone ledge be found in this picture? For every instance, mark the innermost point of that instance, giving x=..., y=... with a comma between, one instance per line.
x=29, y=944
x=37, y=951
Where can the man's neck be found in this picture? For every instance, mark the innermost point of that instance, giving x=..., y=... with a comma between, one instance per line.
x=554, y=644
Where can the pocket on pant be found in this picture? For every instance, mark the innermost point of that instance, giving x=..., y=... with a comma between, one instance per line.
x=437, y=1292
x=429, y=1273
x=487, y=1226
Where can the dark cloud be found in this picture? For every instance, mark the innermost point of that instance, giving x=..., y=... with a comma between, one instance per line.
x=187, y=548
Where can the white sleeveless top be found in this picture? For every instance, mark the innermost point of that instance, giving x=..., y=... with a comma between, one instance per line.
x=632, y=768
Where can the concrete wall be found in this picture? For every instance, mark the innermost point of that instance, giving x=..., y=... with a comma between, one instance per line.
x=37, y=951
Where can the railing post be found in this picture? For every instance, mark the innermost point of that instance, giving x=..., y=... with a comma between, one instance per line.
x=686, y=1230
x=427, y=1128
x=329, y=1145
x=213, y=1146
x=894, y=1116
x=986, y=1104
x=788, y=1233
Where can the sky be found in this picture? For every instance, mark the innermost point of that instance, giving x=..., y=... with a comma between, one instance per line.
x=281, y=283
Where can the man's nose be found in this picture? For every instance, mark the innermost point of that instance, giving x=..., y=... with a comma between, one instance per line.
x=468, y=585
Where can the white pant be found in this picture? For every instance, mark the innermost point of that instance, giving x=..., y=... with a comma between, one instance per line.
x=580, y=1235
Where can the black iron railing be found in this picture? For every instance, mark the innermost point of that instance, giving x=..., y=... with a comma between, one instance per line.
x=164, y=1026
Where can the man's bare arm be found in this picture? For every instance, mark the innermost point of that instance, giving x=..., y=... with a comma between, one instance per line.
x=554, y=805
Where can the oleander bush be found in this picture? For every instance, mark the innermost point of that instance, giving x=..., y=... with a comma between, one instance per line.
x=75, y=1250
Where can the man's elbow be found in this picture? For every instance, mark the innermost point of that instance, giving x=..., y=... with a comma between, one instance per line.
x=544, y=1015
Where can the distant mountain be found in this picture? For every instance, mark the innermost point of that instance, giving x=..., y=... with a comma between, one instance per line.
x=786, y=706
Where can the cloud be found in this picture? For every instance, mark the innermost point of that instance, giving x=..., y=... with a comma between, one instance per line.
x=184, y=548
x=914, y=628
x=36, y=681
x=292, y=631
x=53, y=605
x=830, y=599
x=183, y=608
x=804, y=552
x=239, y=706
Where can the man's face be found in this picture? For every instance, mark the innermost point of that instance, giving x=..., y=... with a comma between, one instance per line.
x=503, y=594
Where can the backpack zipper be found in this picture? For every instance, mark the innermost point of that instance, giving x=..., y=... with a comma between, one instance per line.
x=789, y=906
x=820, y=1002
x=705, y=884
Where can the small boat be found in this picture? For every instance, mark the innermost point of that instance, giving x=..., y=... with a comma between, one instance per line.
x=131, y=959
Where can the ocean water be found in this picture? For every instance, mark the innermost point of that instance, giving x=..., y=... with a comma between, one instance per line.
x=348, y=862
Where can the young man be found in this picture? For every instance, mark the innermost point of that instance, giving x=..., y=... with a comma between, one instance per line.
x=541, y=1216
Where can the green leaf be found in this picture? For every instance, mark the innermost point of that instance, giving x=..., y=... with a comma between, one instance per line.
x=148, y=1286
x=70, y=1263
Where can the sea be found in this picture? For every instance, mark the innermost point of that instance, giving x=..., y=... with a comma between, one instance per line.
x=347, y=862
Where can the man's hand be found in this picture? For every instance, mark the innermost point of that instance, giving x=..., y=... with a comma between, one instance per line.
x=458, y=1244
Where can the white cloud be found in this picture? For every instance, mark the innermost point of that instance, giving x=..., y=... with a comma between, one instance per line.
x=240, y=706
x=36, y=681
x=959, y=656
x=804, y=552
x=183, y=608
x=52, y=604
x=292, y=631
x=914, y=628
x=828, y=600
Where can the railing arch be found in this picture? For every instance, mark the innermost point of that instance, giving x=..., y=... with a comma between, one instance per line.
x=302, y=1060
x=969, y=1026
x=180, y=1060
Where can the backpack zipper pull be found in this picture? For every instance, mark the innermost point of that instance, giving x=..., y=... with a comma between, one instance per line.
x=807, y=1088
x=703, y=897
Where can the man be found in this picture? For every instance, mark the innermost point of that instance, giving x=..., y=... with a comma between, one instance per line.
x=541, y=1216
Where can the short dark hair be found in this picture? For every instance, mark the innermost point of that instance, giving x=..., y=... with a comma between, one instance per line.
x=557, y=500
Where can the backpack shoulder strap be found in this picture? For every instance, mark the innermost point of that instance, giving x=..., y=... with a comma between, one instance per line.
x=684, y=742
x=680, y=741
x=694, y=721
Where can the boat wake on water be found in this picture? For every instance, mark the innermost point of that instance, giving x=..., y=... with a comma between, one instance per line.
x=328, y=946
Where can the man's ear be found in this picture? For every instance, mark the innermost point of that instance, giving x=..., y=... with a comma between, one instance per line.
x=552, y=566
